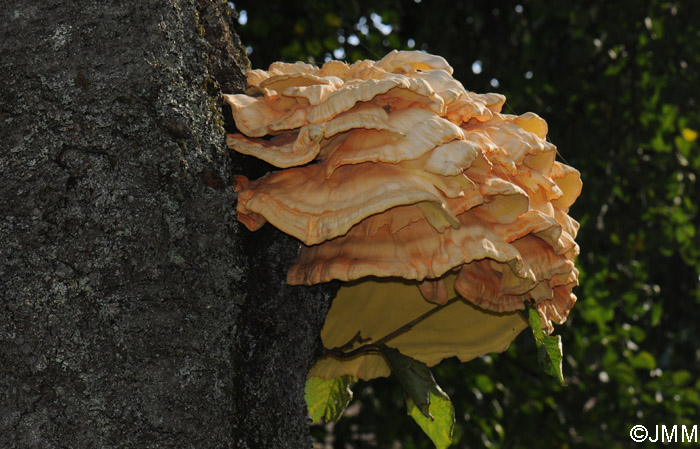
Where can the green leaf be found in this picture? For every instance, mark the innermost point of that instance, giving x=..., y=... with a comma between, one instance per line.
x=439, y=427
x=484, y=383
x=681, y=378
x=644, y=360
x=549, y=350
x=327, y=398
x=551, y=355
x=426, y=403
x=415, y=377
x=623, y=373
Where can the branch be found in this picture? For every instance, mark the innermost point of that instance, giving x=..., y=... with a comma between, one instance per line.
x=339, y=351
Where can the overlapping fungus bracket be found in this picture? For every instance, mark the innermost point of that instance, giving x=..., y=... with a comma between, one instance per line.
x=393, y=169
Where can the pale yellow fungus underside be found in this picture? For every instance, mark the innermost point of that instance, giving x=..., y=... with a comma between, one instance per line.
x=377, y=307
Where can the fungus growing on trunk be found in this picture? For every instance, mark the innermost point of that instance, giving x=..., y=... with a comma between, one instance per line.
x=414, y=191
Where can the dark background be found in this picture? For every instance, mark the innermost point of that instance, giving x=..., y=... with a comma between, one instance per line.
x=617, y=83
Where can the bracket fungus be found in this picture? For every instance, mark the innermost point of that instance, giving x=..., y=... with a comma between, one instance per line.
x=413, y=190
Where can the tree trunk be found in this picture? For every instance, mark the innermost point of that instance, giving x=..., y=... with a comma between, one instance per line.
x=135, y=312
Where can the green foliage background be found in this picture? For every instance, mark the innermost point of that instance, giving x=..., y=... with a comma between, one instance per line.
x=619, y=84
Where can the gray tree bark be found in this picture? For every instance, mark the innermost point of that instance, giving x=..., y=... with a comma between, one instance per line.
x=135, y=312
